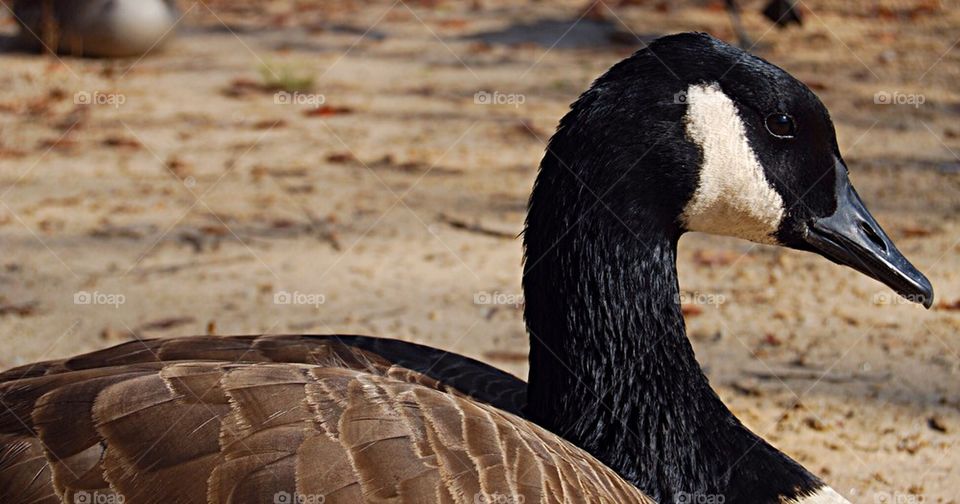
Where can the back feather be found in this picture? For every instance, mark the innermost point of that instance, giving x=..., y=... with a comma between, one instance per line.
x=276, y=420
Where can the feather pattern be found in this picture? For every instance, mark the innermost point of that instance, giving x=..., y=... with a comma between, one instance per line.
x=281, y=419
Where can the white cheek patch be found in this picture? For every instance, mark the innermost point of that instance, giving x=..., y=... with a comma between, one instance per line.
x=734, y=197
x=825, y=495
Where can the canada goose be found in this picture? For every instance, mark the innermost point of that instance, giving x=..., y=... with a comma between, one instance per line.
x=688, y=134
x=108, y=28
x=781, y=13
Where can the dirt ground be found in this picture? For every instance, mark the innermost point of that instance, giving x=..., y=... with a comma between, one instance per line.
x=184, y=199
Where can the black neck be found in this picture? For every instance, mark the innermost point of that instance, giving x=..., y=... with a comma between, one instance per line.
x=611, y=368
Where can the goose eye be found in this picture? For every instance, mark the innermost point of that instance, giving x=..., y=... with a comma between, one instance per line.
x=781, y=125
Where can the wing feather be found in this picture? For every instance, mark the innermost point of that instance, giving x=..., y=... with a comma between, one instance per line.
x=223, y=422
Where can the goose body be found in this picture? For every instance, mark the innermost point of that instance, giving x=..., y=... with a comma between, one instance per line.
x=689, y=134
x=261, y=419
x=106, y=28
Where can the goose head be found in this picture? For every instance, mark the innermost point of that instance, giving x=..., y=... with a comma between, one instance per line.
x=692, y=134
x=688, y=134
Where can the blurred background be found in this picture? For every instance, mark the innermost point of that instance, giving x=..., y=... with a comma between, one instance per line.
x=363, y=166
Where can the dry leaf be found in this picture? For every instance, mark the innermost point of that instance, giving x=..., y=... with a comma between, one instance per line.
x=341, y=158
x=716, y=257
x=326, y=111
x=954, y=306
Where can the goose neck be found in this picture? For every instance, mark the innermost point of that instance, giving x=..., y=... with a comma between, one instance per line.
x=611, y=370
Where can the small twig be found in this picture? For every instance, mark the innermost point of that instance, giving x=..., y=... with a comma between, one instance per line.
x=164, y=324
x=20, y=310
x=323, y=228
x=461, y=224
x=814, y=374
x=174, y=268
x=370, y=317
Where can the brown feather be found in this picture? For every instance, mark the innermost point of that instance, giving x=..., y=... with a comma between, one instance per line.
x=260, y=419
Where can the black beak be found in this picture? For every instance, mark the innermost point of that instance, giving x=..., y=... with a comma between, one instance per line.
x=853, y=238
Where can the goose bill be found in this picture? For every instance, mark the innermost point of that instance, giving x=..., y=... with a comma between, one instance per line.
x=852, y=237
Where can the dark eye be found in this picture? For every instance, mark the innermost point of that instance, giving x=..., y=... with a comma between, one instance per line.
x=781, y=125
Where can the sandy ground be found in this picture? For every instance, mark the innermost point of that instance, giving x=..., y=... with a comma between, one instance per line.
x=185, y=200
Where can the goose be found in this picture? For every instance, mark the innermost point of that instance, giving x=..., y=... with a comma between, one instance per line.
x=782, y=13
x=101, y=28
x=686, y=135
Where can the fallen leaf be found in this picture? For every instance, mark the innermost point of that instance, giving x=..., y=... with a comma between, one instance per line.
x=936, y=423
x=452, y=23
x=113, y=334
x=505, y=355
x=716, y=257
x=526, y=128
x=179, y=167
x=242, y=87
x=21, y=310
x=58, y=143
x=341, y=158
x=126, y=142
x=326, y=111
x=814, y=423
x=270, y=124
x=167, y=323
x=214, y=230
x=954, y=306
x=916, y=231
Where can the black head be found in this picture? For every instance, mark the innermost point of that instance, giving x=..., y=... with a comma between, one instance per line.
x=692, y=134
